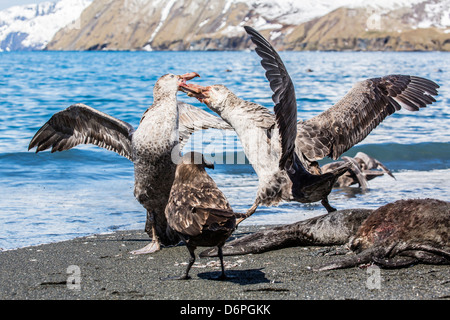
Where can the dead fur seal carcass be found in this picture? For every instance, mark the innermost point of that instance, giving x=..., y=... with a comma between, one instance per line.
x=400, y=234
x=396, y=235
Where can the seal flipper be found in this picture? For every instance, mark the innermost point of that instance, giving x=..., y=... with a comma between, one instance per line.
x=334, y=228
x=363, y=257
x=259, y=242
x=396, y=262
x=377, y=255
x=421, y=254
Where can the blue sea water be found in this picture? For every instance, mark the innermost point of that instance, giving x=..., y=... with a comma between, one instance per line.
x=49, y=197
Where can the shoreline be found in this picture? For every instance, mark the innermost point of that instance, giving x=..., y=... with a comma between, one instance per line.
x=100, y=267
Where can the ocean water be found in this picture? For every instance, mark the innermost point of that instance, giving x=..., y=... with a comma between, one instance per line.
x=49, y=197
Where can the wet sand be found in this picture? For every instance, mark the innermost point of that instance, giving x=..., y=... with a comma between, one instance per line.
x=101, y=267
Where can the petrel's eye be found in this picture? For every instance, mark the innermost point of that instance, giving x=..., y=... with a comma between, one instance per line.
x=217, y=89
x=172, y=76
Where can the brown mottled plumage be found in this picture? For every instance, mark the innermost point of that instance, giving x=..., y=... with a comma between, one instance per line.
x=197, y=209
x=81, y=124
x=361, y=110
x=165, y=125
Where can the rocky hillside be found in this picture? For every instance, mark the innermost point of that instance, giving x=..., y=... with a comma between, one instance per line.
x=363, y=29
x=289, y=24
x=158, y=25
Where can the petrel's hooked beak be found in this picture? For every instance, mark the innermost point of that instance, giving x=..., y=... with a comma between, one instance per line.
x=189, y=76
x=199, y=92
x=183, y=86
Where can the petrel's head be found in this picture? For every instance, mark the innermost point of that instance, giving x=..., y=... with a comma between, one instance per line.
x=191, y=168
x=213, y=96
x=171, y=83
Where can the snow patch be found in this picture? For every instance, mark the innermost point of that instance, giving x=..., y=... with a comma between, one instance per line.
x=227, y=6
x=164, y=14
x=31, y=27
x=295, y=12
x=201, y=24
x=274, y=35
x=147, y=47
x=437, y=14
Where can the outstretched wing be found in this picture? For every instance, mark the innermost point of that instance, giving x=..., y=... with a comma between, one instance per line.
x=193, y=118
x=369, y=102
x=81, y=124
x=283, y=93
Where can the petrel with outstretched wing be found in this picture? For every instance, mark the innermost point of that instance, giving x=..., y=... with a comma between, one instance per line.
x=164, y=126
x=284, y=151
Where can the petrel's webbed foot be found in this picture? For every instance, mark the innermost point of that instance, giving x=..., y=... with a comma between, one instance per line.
x=150, y=248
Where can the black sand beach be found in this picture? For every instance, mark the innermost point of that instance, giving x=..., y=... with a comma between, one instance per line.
x=100, y=267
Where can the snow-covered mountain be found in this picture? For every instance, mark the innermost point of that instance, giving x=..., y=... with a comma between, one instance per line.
x=290, y=24
x=217, y=24
x=31, y=27
x=294, y=12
